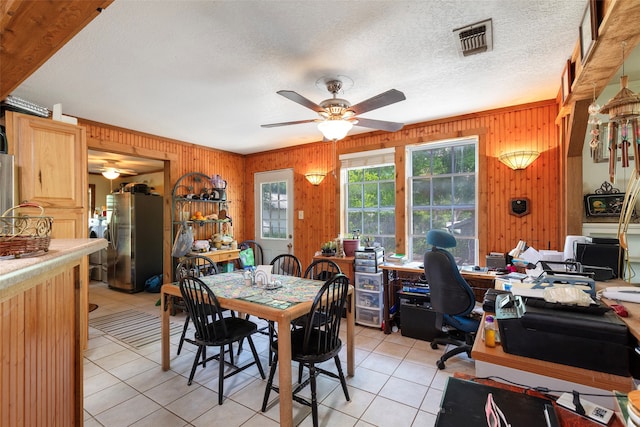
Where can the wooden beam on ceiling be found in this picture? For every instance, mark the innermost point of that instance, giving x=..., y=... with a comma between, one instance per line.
x=32, y=31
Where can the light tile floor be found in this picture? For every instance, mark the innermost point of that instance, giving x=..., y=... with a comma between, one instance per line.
x=396, y=381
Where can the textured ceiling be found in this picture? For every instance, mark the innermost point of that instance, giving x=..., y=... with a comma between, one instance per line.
x=207, y=72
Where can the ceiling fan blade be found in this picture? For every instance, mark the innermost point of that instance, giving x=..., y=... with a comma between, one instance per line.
x=273, y=125
x=386, y=98
x=296, y=97
x=379, y=124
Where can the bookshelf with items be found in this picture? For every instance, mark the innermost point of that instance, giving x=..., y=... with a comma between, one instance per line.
x=200, y=202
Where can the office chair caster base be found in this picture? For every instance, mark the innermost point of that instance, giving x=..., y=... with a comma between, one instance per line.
x=434, y=345
x=440, y=364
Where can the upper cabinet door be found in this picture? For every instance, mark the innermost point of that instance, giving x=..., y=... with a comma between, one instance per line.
x=52, y=161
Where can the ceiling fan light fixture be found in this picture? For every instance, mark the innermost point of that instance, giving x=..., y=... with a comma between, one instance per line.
x=110, y=173
x=335, y=129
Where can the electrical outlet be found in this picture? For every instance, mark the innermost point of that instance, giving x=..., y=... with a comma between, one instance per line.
x=300, y=214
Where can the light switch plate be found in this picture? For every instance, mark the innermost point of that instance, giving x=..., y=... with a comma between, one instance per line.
x=300, y=214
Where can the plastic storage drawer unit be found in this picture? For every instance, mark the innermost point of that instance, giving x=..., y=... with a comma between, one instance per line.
x=369, y=301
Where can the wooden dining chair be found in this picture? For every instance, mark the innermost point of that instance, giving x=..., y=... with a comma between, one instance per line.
x=287, y=265
x=316, y=342
x=213, y=329
x=258, y=253
x=321, y=269
x=194, y=266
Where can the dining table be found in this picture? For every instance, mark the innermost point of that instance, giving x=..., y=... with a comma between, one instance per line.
x=291, y=299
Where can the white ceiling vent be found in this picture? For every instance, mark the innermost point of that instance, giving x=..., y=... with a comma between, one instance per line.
x=474, y=38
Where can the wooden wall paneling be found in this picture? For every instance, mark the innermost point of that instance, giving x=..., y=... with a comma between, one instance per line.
x=39, y=370
x=32, y=31
x=180, y=158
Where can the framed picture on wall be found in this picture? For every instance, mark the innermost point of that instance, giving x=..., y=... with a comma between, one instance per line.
x=567, y=80
x=588, y=31
x=603, y=204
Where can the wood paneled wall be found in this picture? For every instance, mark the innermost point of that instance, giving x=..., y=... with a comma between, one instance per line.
x=41, y=370
x=530, y=126
x=180, y=158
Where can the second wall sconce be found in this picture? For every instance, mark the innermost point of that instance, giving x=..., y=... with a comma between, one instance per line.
x=518, y=159
x=315, y=178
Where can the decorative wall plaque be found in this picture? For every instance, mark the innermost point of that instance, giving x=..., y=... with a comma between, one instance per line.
x=519, y=206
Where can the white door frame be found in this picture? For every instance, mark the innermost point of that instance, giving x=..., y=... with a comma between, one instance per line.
x=274, y=246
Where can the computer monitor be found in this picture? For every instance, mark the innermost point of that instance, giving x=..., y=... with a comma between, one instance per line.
x=601, y=255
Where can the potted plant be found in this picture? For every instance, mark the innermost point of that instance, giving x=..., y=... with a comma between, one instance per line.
x=351, y=243
x=328, y=248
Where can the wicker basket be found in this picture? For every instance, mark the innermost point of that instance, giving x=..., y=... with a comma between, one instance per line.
x=24, y=234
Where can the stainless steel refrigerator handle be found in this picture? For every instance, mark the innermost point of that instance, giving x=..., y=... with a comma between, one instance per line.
x=113, y=233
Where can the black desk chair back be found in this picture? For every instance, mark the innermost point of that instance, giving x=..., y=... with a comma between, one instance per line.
x=321, y=269
x=317, y=342
x=194, y=266
x=213, y=329
x=286, y=265
x=451, y=296
x=258, y=254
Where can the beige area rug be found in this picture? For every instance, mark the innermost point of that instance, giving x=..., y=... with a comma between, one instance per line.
x=133, y=327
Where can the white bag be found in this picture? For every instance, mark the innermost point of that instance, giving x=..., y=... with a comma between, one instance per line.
x=183, y=242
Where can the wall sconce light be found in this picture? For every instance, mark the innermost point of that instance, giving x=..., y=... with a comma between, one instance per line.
x=315, y=178
x=111, y=173
x=518, y=159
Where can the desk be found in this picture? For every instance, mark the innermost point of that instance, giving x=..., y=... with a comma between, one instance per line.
x=494, y=361
x=393, y=274
x=233, y=294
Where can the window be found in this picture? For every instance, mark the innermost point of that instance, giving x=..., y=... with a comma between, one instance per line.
x=369, y=196
x=274, y=210
x=443, y=189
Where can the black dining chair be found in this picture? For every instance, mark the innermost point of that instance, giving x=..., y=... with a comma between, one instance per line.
x=194, y=266
x=316, y=342
x=321, y=269
x=258, y=253
x=286, y=265
x=213, y=329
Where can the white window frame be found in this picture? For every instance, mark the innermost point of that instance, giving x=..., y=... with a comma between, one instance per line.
x=372, y=158
x=409, y=185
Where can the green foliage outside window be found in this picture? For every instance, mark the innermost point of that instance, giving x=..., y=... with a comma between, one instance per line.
x=443, y=196
x=371, y=201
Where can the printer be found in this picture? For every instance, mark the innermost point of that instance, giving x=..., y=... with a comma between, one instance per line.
x=599, y=342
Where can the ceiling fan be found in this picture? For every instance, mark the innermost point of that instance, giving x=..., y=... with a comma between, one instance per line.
x=337, y=115
x=110, y=170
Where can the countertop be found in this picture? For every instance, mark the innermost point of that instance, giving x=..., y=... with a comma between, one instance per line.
x=61, y=251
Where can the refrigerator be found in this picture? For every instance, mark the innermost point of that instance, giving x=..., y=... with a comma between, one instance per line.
x=6, y=183
x=134, y=252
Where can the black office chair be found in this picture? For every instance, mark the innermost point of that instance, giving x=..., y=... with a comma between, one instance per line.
x=194, y=266
x=286, y=265
x=258, y=253
x=314, y=343
x=212, y=329
x=451, y=296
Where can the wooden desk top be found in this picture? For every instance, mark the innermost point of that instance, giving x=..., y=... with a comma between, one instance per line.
x=633, y=320
x=587, y=377
x=497, y=356
x=415, y=267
